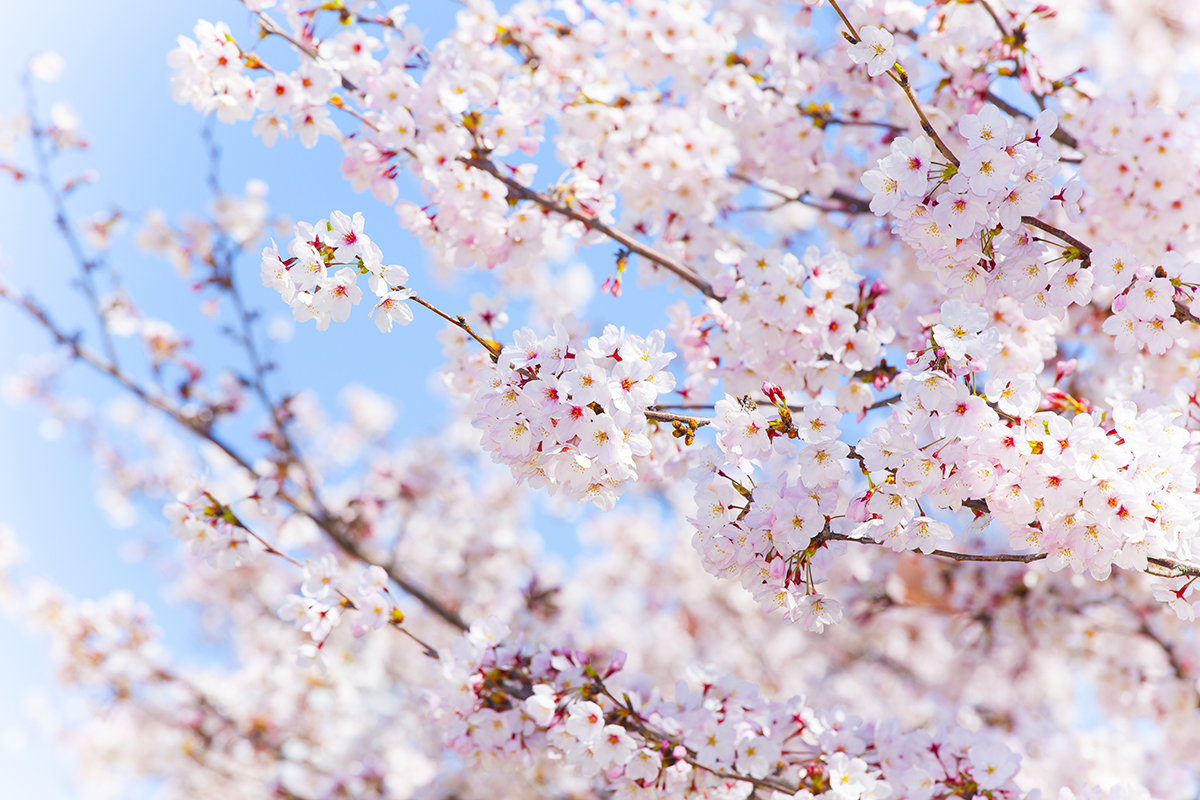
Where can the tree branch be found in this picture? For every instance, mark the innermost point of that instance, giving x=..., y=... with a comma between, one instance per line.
x=480, y=162
x=1020, y=558
x=1059, y=135
x=319, y=516
x=1034, y=222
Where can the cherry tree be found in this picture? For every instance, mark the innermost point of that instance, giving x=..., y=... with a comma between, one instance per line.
x=896, y=494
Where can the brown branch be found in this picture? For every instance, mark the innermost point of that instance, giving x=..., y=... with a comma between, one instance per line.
x=269, y=28
x=887, y=401
x=1183, y=314
x=663, y=416
x=850, y=203
x=319, y=516
x=992, y=13
x=1059, y=135
x=998, y=557
x=1034, y=222
x=926, y=125
x=900, y=78
x=1178, y=568
x=342, y=540
x=479, y=161
x=460, y=322
x=849, y=25
x=761, y=401
x=1168, y=651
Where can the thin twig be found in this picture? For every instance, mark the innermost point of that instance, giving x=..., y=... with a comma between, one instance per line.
x=900, y=78
x=319, y=514
x=87, y=267
x=850, y=203
x=761, y=401
x=887, y=401
x=992, y=13
x=1020, y=558
x=663, y=416
x=481, y=162
x=1034, y=222
x=203, y=429
x=460, y=322
x=1059, y=135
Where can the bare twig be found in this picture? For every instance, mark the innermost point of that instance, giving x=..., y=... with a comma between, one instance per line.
x=992, y=13
x=87, y=266
x=887, y=401
x=460, y=322
x=849, y=203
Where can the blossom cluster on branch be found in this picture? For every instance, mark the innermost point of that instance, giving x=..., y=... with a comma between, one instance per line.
x=931, y=340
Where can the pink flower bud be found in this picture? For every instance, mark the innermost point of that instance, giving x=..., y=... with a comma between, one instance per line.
x=616, y=663
x=912, y=358
x=1118, y=303
x=774, y=393
x=857, y=510
x=1064, y=368
x=1057, y=398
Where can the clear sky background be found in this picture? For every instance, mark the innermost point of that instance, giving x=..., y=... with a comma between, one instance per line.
x=148, y=153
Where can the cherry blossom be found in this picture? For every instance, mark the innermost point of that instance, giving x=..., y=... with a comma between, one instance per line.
x=915, y=435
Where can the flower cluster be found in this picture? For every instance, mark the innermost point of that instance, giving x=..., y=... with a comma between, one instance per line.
x=211, y=76
x=562, y=417
x=317, y=610
x=1147, y=308
x=1088, y=489
x=1138, y=154
x=765, y=534
x=209, y=529
x=716, y=737
x=805, y=324
x=966, y=220
x=306, y=280
x=707, y=140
